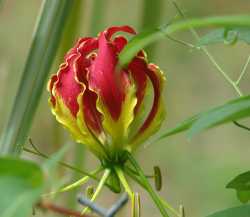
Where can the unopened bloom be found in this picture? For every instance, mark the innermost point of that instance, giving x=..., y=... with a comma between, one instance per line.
x=104, y=106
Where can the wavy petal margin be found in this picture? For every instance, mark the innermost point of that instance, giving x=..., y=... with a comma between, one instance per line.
x=80, y=135
x=157, y=114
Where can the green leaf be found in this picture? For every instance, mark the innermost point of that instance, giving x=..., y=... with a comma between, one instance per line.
x=145, y=38
x=233, y=110
x=42, y=52
x=240, y=211
x=183, y=126
x=225, y=36
x=241, y=184
x=21, y=183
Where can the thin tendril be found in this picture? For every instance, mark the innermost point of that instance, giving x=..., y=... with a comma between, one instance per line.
x=241, y=125
x=243, y=71
x=75, y=184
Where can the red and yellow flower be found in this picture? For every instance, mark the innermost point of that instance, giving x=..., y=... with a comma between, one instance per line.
x=105, y=106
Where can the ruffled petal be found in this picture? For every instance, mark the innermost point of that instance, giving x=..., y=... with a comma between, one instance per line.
x=157, y=112
x=67, y=86
x=138, y=68
x=119, y=43
x=80, y=134
x=105, y=81
x=112, y=30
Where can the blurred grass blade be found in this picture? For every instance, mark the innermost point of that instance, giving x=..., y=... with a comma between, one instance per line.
x=145, y=38
x=97, y=17
x=240, y=211
x=151, y=17
x=42, y=52
x=21, y=183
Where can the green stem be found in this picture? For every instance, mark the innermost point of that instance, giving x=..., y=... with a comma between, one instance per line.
x=151, y=17
x=210, y=56
x=142, y=40
x=124, y=182
x=127, y=188
x=99, y=188
x=243, y=71
x=75, y=184
x=135, y=177
x=148, y=187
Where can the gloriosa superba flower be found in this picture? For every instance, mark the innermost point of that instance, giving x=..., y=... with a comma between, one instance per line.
x=102, y=105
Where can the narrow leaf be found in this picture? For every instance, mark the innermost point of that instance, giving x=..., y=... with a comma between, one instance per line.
x=42, y=52
x=234, y=110
x=183, y=126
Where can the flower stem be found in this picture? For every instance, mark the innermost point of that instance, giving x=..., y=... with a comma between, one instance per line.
x=75, y=184
x=127, y=188
x=99, y=188
x=135, y=177
x=148, y=187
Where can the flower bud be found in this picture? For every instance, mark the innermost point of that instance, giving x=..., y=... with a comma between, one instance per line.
x=102, y=105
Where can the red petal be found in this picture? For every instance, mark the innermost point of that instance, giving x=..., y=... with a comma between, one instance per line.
x=112, y=30
x=74, y=49
x=157, y=92
x=88, y=46
x=91, y=115
x=67, y=86
x=139, y=68
x=119, y=42
x=104, y=80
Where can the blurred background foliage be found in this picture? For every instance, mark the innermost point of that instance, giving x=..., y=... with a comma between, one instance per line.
x=195, y=171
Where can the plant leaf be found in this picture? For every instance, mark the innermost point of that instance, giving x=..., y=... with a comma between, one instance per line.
x=230, y=111
x=183, y=126
x=241, y=184
x=42, y=52
x=21, y=183
x=145, y=38
x=225, y=36
x=240, y=211
x=233, y=110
